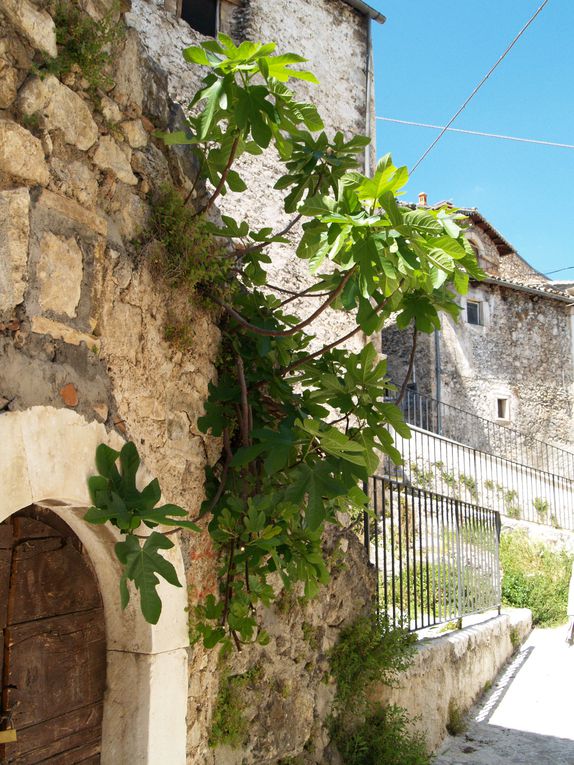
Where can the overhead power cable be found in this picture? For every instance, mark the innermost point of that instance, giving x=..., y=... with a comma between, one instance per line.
x=569, y=268
x=478, y=87
x=478, y=132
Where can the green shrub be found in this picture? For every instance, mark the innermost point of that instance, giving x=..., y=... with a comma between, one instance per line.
x=384, y=738
x=541, y=506
x=189, y=255
x=435, y=585
x=456, y=723
x=535, y=577
x=369, y=651
x=228, y=723
x=372, y=651
x=84, y=43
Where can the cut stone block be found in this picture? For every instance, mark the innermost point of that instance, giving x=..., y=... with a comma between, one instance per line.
x=62, y=110
x=59, y=274
x=21, y=154
x=14, y=237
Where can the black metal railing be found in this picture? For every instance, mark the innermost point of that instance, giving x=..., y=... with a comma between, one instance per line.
x=444, y=466
x=490, y=437
x=437, y=558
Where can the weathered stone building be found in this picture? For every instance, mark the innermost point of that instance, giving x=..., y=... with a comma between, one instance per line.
x=84, y=360
x=509, y=359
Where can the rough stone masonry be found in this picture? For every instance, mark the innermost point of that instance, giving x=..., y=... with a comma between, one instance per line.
x=82, y=318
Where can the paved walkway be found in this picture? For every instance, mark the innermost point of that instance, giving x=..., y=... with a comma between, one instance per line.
x=527, y=718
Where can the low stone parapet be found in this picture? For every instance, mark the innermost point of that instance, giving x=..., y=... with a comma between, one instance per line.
x=450, y=672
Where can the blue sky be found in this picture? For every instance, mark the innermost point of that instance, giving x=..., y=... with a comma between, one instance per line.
x=429, y=57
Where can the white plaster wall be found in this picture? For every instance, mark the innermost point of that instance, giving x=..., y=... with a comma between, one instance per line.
x=334, y=39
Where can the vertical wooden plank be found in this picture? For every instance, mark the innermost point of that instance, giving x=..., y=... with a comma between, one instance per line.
x=5, y=557
x=54, y=650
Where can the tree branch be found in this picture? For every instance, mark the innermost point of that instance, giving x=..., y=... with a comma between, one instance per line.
x=195, y=182
x=221, y=184
x=380, y=305
x=292, y=330
x=228, y=582
x=224, y=472
x=403, y=389
x=289, y=226
x=303, y=293
x=245, y=418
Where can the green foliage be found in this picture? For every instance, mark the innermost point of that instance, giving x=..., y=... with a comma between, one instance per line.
x=385, y=736
x=370, y=651
x=189, y=256
x=515, y=637
x=511, y=506
x=84, y=43
x=117, y=500
x=31, y=122
x=301, y=428
x=310, y=635
x=421, y=477
x=229, y=724
x=542, y=506
x=456, y=723
x=469, y=483
x=535, y=577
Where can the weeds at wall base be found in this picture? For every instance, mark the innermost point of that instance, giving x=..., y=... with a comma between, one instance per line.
x=371, y=651
x=456, y=723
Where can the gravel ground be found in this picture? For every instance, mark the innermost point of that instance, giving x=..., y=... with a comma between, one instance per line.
x=527, y=718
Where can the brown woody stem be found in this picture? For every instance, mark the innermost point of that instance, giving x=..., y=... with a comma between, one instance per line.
x=292, y=330
x=221, y=184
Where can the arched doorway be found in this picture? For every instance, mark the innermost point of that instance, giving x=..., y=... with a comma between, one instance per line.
x=50, y=455
x=53, y=643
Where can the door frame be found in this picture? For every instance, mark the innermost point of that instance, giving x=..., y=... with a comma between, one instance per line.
x=50, y=454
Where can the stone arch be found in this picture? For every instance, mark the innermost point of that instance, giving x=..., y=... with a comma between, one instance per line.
x=46, y=456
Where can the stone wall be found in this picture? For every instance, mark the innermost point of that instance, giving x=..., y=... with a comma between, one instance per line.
x=82, y=318
x=512, y=266
x=454, y=670
x=333, y=37
x=522, y=352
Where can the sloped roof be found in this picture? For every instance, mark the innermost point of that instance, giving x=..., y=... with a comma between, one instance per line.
x=502, y=245
x=541, y=289
x=367, y=10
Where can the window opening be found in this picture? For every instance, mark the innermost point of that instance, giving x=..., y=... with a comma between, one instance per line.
x=473, y=312
x=201, y=15
x=502, y=408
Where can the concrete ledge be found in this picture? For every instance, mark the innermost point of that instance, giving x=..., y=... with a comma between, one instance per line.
x=455, y=669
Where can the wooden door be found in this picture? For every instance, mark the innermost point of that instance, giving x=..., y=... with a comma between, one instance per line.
x=52, y=643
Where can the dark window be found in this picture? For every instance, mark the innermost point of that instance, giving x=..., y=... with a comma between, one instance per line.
x=473, y=312
x=201, y=15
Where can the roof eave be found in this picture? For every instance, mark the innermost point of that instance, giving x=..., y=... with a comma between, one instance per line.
x=525, y=288
x=367, y=10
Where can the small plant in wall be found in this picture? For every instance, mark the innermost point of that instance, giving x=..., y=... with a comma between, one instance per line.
x=117, y=500
x=302, y=423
